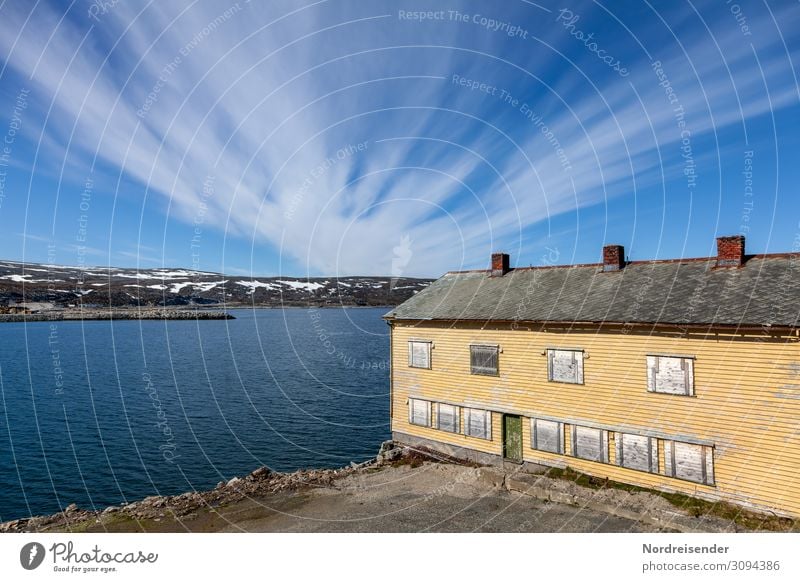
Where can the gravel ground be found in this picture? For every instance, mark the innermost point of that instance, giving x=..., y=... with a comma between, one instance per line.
x=399, y=492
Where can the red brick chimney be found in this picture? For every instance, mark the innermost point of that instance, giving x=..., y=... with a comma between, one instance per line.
x=499, y=264
x=613, y=257
x=730, y=251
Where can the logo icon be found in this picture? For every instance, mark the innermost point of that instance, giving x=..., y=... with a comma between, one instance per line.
x=31, y=555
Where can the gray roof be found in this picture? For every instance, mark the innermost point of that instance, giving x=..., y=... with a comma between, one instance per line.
x=765, y=291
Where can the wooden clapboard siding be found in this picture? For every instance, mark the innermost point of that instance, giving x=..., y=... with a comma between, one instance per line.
x=746, y=401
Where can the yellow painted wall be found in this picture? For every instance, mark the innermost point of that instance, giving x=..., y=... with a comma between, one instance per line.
x=746, y=402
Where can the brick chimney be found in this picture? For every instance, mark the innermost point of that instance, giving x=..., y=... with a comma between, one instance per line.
x=730, y=251
x=613, y=257
x=499, y=264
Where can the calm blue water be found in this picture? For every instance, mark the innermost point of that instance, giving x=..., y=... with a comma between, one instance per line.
x=100, y=413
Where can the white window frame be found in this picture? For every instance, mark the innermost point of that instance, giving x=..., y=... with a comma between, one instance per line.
x=603, y=443
x=536, y=440
x=427, y=345
x=456, y=414
x=577, y=355
x=672, y=452
x=481, y=371
x=412, y=402
x=656, y=361
x=652, y=452
x=468, y=413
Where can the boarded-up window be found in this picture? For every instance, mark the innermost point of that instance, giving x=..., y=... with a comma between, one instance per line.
x=670, y=375
x=419, y=354
x=689, y=461
x=478, y=423
x=547, y=435
x=447, y=418
x=483, y=360
x=419, y=412
x=565, y=366
x=590, y=443
x=637, y=452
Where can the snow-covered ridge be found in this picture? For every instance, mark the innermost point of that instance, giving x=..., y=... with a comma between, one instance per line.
x=21, y=282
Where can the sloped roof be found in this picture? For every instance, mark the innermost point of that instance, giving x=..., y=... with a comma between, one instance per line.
x=765, y=291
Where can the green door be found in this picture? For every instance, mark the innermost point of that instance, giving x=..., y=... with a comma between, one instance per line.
x=512, y=438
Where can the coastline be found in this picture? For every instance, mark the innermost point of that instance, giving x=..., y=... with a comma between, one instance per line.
x=114, y=314
x=408, y=489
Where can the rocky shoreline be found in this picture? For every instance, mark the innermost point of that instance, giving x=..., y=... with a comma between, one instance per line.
x=411, y=489
x=260, y=482
x=115, y=314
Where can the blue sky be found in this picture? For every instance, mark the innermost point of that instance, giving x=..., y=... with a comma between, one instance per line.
x=345, y=137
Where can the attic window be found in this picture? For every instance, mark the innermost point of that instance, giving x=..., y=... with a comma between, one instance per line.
x=419, y=354
x=670, y=375
x=565, y=366
x=483, y=359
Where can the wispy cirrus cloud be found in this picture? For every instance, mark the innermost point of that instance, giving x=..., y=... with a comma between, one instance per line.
x=333, y=134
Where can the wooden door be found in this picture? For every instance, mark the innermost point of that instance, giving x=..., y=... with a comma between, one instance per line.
x=512, y=438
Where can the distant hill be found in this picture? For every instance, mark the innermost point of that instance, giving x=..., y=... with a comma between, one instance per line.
x=115, y=287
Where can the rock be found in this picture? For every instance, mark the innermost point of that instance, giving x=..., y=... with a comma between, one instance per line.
x=392, y=455
x=386, y=446
x=234, y=481
x=260, y=473
x=220, y=485
x=111, y=509
x=71, y=508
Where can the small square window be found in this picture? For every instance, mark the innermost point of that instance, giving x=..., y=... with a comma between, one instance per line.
x=419, y=412
x=419, y=354
x=483, y=360
x=448, y=418
x=670, y=375
x=478, y=423
x=565, y=366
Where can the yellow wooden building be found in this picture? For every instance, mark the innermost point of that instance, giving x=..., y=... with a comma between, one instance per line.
x=679, y=375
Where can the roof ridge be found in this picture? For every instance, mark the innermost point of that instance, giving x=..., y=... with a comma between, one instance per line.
x=638, y=262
